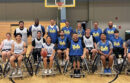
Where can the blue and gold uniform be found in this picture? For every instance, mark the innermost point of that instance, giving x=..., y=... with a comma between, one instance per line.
x=68, y=32
x=128, y=45
x=104, y=47
x=117, y=43
x=96, y=34
x=117, y=46
x=109, y=32
x=53, y=33
x=76, y=48
x=62, y=43
x=80, y=33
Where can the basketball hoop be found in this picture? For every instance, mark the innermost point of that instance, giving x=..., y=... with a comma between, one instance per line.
x=59, y=5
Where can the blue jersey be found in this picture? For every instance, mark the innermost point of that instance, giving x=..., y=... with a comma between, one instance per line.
x=128, y=45
x=80, y=33
x=104, y=47
x=117, y=42
x=76, y=48
x=96, y=34
x=68, y=31
x=53, y=33
x=62, y=43
x=109, y=33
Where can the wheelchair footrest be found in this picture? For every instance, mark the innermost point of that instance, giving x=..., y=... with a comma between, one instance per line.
x=108, y=74
x=16, y=76
x=48, y=74
x=77, y=75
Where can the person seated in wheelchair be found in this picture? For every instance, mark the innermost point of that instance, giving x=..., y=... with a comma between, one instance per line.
x=37, y=46
x=18, y=51
x=76, y=51
x=127, y=49
x=90, y=44
x=5, y=48
x=62, y=46
x=118, y=46
x=48, y=53
x=105, y=50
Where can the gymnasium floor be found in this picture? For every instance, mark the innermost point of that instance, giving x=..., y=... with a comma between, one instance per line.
x=67, y=79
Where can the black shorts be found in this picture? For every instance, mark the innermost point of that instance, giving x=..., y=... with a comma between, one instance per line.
x=89, y=49
x=118, y=51
x=75, y=58
x=36, y=51
x=62, y=49
x=6, y=50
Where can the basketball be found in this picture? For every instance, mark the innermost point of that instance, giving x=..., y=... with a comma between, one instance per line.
x=44, y=53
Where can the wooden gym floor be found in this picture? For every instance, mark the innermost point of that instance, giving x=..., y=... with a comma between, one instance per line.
x=67, y=79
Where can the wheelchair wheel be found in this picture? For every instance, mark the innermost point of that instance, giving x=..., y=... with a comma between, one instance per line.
x=38, y=66
x=30, y=57
x=6, y=69
x=28, y=65
x=57, y=64
x=1, y=70
x=94, y=66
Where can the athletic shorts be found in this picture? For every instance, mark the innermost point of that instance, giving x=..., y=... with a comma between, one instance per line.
x=89, y=49
x=62, y=49
x=6, y=50
x=75, y=58
x=118, y=51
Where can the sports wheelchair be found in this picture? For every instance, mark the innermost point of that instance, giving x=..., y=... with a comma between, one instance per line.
x=40, y=68
x=68, y=68
x=26, y=68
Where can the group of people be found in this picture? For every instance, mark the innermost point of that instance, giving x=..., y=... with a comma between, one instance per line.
x=73, y=44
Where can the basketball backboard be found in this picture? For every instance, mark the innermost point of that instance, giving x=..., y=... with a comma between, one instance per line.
x=65, y=3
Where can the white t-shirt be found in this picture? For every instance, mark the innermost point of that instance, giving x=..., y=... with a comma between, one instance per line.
x=7, y=44
x=18, y=48
x=49, y=48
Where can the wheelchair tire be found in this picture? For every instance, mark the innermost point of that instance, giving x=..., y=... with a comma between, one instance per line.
x=6, y=69
x=37, y=67
x=1, y=71
x=94, y=66
x=57, y=64
x=28, y=65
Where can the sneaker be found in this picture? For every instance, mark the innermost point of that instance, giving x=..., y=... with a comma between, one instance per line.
x=78, y=71
x=19, y=72
x=50, y=71
x=105, y=70
x=14, y=71
x=75, y=71
x=109, y=70
x=45, y=71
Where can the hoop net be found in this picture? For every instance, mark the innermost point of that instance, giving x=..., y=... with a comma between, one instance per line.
x=59, y=5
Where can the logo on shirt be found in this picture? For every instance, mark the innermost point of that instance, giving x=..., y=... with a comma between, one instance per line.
x=79, y=35
x=75, y=47
x=62, y=43
x=66, y=32
x=52, y=30
x=116, y=44
x=96, y=34
x=111, y=32
x=104, y=48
